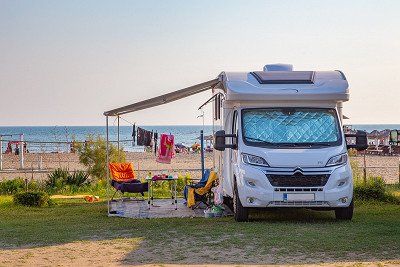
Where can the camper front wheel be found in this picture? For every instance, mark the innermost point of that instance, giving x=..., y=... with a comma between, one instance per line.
x=345, y=213
x=241, y=213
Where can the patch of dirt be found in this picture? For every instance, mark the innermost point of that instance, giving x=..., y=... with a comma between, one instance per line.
x=84, y=253
x=128, y=251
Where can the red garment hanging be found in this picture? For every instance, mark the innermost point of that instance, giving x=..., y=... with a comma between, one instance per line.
x=166, y=149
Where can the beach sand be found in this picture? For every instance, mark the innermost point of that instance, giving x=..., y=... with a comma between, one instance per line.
x=142, y=162
x=385, y=166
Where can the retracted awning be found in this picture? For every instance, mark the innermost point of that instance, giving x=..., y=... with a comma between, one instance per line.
x=164, y=99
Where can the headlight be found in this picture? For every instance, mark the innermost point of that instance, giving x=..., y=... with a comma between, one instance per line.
x=254, y=160
x=337, y=160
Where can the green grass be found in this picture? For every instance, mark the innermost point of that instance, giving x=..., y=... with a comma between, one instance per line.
x=286, y=236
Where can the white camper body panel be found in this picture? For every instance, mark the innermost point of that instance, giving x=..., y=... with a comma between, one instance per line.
x=327, y=86
x=243, y=91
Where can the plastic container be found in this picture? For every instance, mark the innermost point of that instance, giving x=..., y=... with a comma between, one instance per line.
x=218, y=211
x=208, y=214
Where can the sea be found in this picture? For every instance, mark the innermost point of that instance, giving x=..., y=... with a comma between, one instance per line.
x=185, y=134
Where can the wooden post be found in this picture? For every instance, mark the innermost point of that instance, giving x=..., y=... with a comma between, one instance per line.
x=1, y=153
x=399, y=171
x=107, y=169
x=21, y=151
x=365, y=168
x=118, y=137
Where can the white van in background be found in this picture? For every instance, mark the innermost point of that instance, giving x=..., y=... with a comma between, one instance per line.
x=282, y=143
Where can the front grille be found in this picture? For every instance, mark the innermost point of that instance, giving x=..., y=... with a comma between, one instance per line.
x=303, y=189
x=299, y=203
x=298, y=180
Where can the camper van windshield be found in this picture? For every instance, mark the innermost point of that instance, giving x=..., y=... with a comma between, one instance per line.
x=290, y=127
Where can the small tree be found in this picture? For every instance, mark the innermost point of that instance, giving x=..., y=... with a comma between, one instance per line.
x=92, y=154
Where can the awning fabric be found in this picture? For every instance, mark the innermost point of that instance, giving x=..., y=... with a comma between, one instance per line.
x=164, y=99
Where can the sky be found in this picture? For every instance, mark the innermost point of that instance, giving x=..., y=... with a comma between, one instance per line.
x=66, y=62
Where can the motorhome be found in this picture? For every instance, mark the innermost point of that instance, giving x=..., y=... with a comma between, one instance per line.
x=280, y=141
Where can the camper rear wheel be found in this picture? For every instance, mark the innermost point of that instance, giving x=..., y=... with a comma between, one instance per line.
x=241, y=213
x=345, y=213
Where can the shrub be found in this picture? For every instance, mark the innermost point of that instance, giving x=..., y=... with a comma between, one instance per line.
x=92, y=154
x=57, y=178
x=373, y=188
x=62, y=181
x=10, y=187
x=357, y=172
x=33, y=199
x=77, y=178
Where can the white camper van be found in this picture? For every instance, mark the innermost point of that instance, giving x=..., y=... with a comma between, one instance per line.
x=282, y=143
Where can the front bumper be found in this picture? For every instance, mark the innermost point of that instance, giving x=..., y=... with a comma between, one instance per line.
x=256, y=191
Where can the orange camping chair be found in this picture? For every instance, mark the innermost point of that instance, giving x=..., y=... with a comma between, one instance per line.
x=123, y=179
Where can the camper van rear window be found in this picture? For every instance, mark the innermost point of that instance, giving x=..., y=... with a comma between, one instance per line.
x=290, y=127
x=284, y=77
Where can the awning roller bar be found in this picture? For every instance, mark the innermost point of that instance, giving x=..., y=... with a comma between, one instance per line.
x=164, y=99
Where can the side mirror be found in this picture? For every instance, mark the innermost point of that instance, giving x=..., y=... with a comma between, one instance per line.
x=361, y=141
x=220, y=140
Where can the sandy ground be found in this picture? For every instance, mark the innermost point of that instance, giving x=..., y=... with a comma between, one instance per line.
x=384, y=166
x=122, y=251
x=142, y=162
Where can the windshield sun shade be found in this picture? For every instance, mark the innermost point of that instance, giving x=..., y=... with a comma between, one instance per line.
x=284, y=77
x=290, y=126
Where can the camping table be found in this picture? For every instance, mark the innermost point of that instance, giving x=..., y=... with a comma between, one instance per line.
x=172, y=185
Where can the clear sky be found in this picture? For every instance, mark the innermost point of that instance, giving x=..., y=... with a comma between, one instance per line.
x=65, y=62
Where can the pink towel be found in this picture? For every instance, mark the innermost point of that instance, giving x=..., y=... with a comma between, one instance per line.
x=166, y=149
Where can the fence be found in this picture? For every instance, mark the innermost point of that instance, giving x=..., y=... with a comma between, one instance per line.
x=38, y=165
x=387, y=167
x=23, y=159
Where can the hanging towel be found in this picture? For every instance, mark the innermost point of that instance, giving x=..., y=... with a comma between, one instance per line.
x=166, y=149
x=140, y=136
x=155, y=136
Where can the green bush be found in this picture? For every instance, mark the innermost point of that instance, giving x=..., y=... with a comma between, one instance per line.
x=357, y=172
x=77, y=178
x=57, y=179
x=9, y=187
x=62, y=181
x=92, y=154
x=33, y=199
x=373, y=188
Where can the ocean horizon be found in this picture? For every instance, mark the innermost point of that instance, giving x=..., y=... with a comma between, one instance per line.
x=185, y=134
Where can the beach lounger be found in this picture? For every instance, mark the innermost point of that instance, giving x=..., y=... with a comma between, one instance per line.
x=123, y=179
x=201, y=191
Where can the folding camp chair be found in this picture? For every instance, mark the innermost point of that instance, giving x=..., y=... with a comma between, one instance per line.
x=201, y=191
x=123, y=179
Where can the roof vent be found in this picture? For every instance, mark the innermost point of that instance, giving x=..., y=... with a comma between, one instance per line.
x=278, y=67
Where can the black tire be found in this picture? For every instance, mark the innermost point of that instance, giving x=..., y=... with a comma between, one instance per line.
x=241, y=213
x=345, y=213
x=228, y=201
